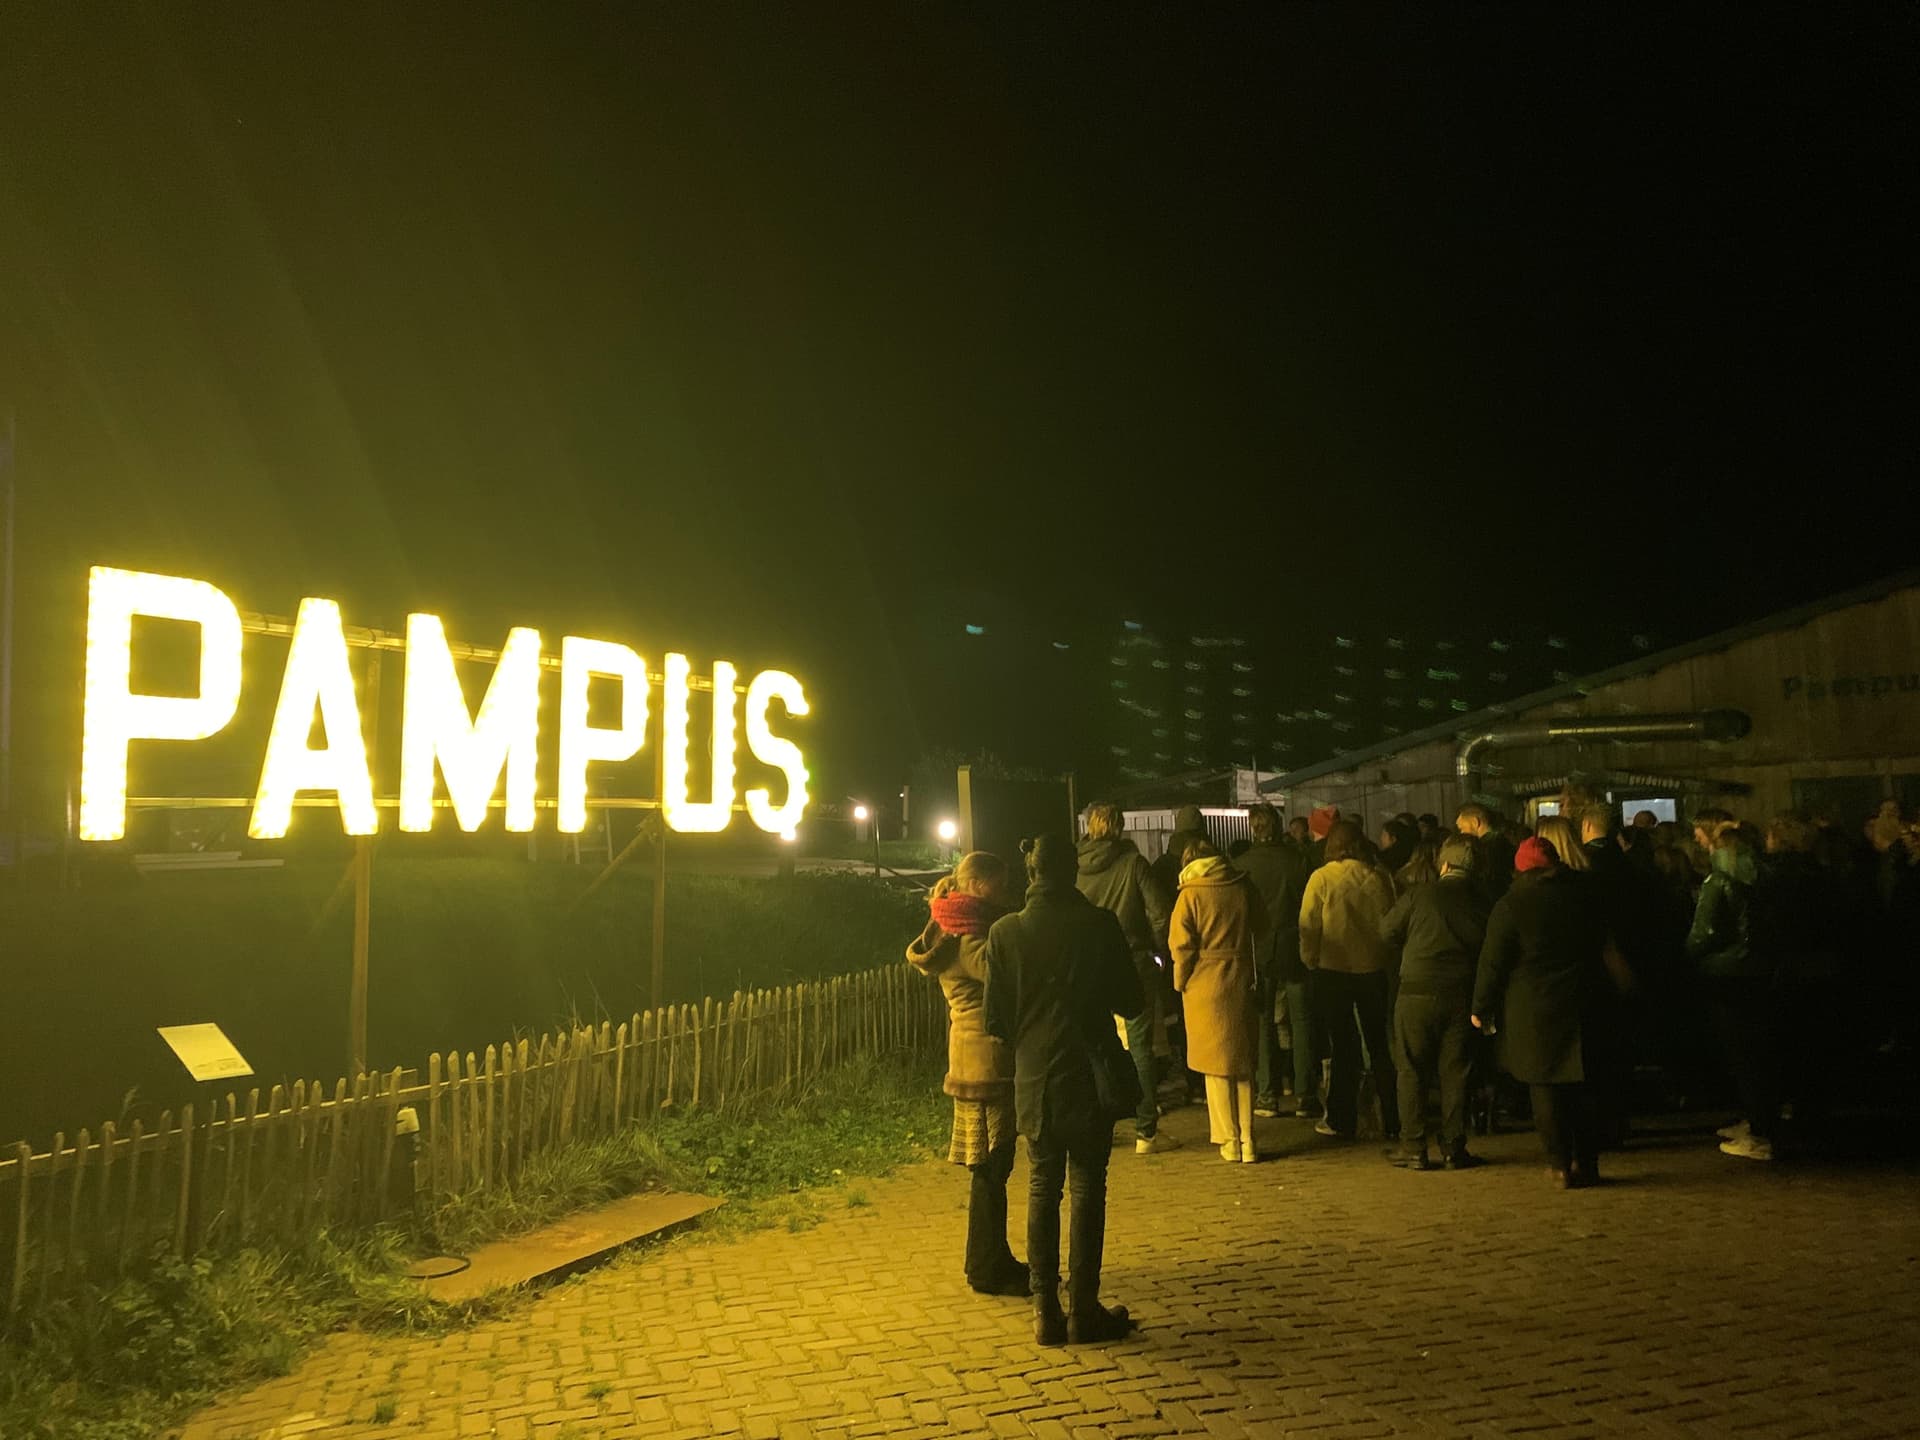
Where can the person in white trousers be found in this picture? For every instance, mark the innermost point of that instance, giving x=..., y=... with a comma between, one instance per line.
x=1217, y=918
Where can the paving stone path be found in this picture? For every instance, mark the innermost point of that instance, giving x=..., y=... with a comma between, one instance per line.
x=1321, y=1294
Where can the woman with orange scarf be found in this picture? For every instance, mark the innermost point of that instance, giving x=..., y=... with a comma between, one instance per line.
x=952, y=949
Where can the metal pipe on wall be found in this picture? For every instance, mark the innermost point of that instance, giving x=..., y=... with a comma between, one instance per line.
x=1706, y=725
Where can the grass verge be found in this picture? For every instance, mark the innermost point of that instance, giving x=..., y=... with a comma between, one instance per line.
x=122, y=1361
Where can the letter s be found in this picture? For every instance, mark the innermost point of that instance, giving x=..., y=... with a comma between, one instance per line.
x=771, y=749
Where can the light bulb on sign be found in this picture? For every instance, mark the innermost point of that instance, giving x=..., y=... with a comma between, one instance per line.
x=580, y=660
x=770, y=749
x=683, y=812
x=317, y=674
x=471, y=753
x=112, y=715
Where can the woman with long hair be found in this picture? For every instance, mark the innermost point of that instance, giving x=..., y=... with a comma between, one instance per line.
x=952, y=949
x=1541, y=976
x=1561, y=833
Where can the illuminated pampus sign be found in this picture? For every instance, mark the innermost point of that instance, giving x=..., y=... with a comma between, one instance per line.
x=471, y=753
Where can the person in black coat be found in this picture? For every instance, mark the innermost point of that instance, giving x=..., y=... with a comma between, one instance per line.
x=1058, y=973
x=1805, y=937
x=1542, y=976
x=1438, y=930
x=1493, y=856
x=1279, y=873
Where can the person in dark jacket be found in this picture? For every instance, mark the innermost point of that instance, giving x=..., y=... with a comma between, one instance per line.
x=1189, y=829
x=1628, y=901
x=1802, y=934
x=1279, y=873
x=1189, y=825
x=1058, y=972
x=1398, y=838
x=1738, y=991
x=1493, y=858
x=1541, y=973
x=1320, y=823
x=1438, y=930
x=1115, y=876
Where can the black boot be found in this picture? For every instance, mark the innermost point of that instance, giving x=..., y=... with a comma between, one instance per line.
x=990, y=1264
x=1459, y=1158
x=1049, y=1320
x=1091, y=1322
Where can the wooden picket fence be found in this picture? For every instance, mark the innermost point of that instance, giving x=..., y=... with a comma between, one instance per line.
x=265, y=1170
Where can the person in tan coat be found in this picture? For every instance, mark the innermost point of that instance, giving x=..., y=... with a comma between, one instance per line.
x=952, y=949
x=1217, y=919
x=1346, y=903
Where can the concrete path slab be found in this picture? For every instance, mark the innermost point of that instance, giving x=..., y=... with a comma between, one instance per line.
x=566, y=1246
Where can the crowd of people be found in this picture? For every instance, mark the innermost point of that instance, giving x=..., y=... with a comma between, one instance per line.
x=1278, y=976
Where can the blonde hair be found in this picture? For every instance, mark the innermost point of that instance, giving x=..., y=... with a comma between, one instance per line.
x=1197, y=850
x=977, y=872
x=1456, y=853
x=1105, y=820
x=1558, y=832
x=1789, y=830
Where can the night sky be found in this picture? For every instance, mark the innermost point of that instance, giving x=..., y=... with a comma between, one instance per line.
x=809, y=335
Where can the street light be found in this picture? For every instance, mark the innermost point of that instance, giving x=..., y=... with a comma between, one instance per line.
x=947, y=831
x=861, y=815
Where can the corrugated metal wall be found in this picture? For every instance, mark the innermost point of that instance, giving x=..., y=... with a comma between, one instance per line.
x=1836, y=697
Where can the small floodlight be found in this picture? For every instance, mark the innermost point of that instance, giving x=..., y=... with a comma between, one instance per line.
x=948, y=831
x=860, y=812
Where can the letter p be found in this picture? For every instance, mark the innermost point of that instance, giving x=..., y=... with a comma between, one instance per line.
x=114, y=715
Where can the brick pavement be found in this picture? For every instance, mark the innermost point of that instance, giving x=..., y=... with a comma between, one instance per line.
x=1320, y=1294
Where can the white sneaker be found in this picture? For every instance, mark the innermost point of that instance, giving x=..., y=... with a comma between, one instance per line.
x=1748, y=1147
x=1321, y=1127
x=1230, y=1152
x=1739, y=1130
x=1247, y=1155
x=1155, y=1144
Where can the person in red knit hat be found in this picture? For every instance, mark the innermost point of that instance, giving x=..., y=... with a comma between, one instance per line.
x=952, y=949
x=1541, y=977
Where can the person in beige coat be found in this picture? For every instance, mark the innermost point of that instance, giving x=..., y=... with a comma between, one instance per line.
x=1341, y=915
x=1217, y=919
x=952, y=949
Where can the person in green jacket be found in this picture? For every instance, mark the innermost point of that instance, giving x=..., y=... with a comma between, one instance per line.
x=1739, y=991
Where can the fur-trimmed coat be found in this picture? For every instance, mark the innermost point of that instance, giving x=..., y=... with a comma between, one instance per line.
x=979, y=1067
